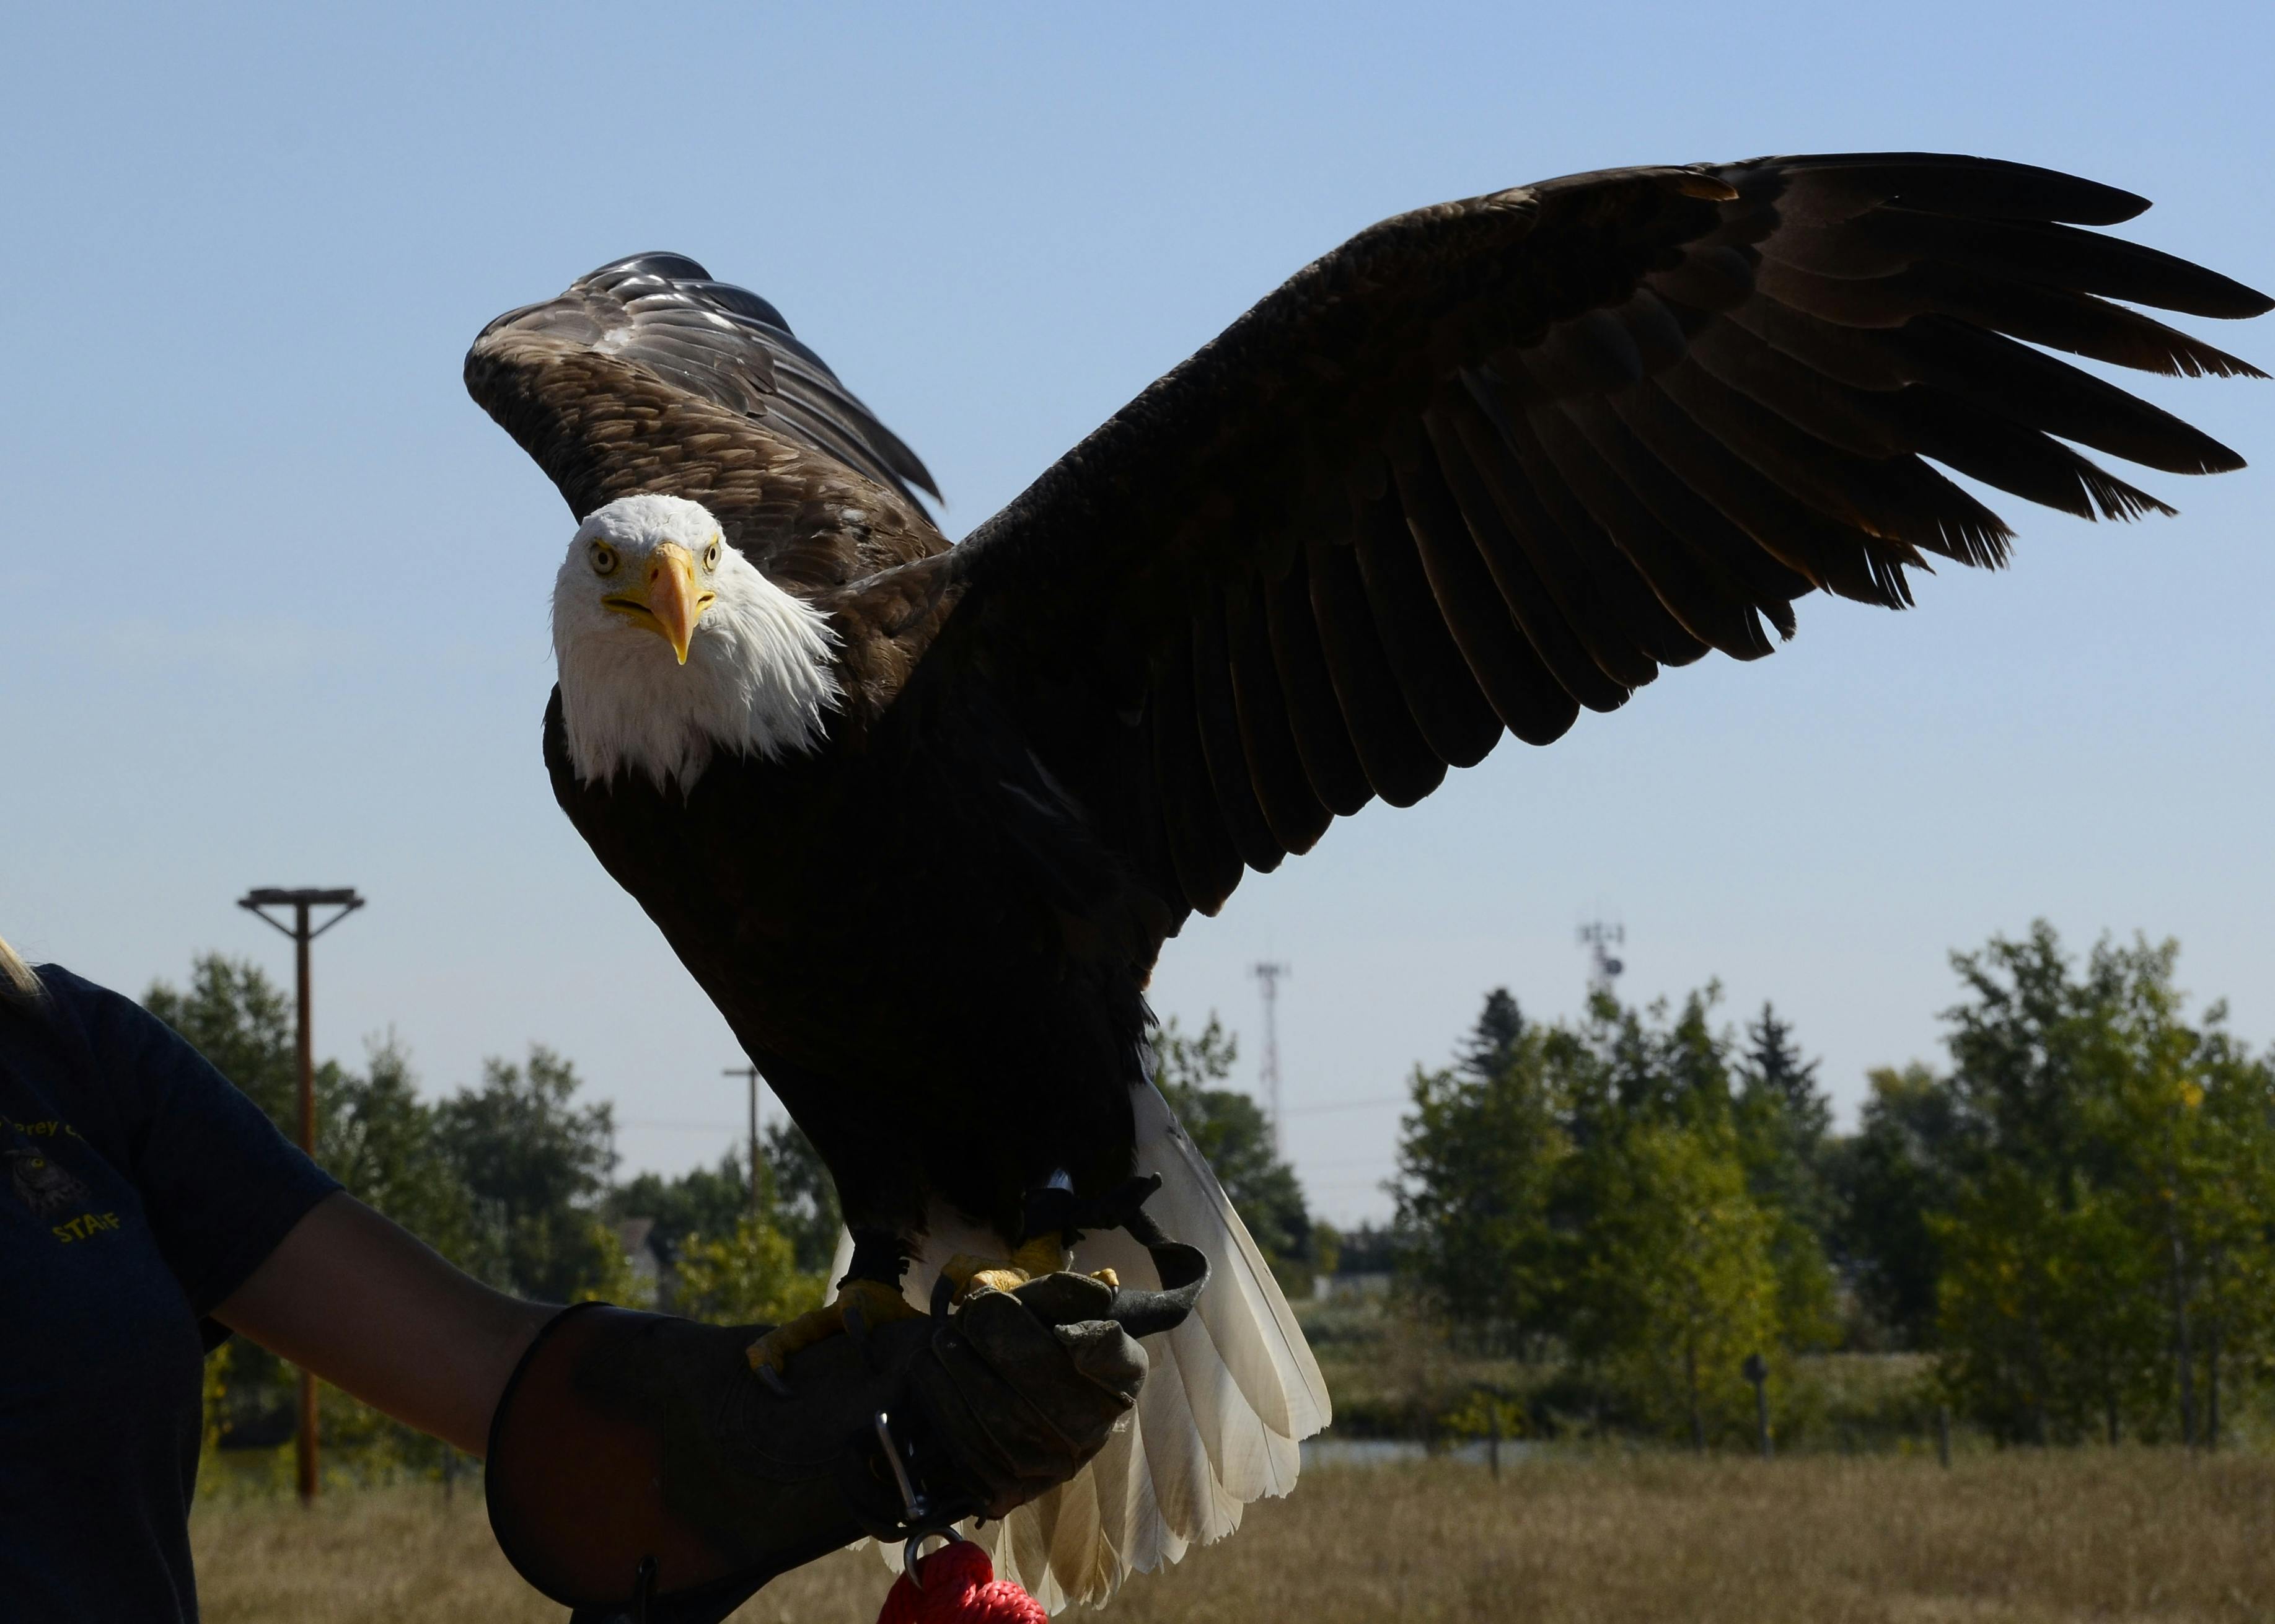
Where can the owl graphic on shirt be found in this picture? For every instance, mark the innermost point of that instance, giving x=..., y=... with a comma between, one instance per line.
x=40, y=1183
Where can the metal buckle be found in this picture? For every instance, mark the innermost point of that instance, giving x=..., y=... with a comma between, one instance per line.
x=643, y=1588
x=918, y=1515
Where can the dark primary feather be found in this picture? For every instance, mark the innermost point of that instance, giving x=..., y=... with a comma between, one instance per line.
x=1493, y=463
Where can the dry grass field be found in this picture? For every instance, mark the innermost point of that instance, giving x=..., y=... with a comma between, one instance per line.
x=2105, y=1536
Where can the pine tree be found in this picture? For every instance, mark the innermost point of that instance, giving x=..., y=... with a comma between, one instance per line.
x=1783, y=1121
x=1493, y=1041
x=1478, y=1163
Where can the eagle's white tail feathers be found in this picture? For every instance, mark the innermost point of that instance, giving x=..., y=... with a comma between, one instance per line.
x=1232, y=1392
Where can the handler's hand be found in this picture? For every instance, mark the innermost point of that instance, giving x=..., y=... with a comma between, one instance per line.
x=627, y=1440
x=1023, y=1389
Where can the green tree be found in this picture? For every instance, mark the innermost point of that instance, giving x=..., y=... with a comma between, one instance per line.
x=1888, y=1182
x=2106, y=1255
x=1480, y=1159
x=241, y=1021
x=1676, y=1284
x=1784, y=1121
x=1231, y=1130
x=1662, y=1063
x=537, y=1165
x=2230, y=1135
x=805, y=1195
x=1618, y=1191
x=749, y=1275
x=1493, y=1041
x=2041, y=1331
x=700, y=1201
x=2048, y=1317
x=378, y=1138
x=2179, y=1116
x=2017, y=1067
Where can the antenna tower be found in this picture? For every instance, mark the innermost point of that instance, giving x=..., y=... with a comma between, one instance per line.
x=1269, y=974
x=1603, y=970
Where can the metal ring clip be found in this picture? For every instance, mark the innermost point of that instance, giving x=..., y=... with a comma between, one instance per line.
x=915, y=1513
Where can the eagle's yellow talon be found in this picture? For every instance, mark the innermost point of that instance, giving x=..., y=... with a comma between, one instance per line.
x=963, y=1268
x=1107, y=1276
x=970, y=1274
x=878, y=1303
x=1043, y=1255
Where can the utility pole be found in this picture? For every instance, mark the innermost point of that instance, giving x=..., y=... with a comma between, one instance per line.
x=1269, y=974
x=1603, y=970
x=750, y=1074
x=300, y=901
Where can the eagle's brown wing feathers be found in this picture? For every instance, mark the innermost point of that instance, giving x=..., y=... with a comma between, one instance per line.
x=1493, y=462
x=647, y=376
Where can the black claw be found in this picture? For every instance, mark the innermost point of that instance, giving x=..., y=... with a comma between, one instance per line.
x=879, y=1255
x=772, y=1377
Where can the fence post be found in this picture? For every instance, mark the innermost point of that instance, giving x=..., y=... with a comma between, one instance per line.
x=1757, y=1370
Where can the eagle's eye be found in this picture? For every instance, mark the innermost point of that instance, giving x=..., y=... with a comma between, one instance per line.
x=711, y=555
x=604, y=558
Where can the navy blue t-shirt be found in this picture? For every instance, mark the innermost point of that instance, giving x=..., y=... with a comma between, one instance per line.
x=137, y=1189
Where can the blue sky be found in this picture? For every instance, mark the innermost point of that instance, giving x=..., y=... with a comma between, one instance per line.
x=275, y=593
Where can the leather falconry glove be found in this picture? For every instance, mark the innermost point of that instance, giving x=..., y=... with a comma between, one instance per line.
x=637, y=1470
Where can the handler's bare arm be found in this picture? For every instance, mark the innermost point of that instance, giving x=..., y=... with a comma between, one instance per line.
x=372, y=1310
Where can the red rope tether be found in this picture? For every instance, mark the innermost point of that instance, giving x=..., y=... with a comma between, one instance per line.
x=960, y=1587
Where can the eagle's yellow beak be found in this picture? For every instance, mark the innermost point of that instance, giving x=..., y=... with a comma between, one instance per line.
x=668, y=602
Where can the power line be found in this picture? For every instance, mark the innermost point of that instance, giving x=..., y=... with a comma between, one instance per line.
x=1352, y=1105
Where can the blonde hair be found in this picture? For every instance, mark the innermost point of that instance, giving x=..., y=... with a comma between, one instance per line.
x=18, y=984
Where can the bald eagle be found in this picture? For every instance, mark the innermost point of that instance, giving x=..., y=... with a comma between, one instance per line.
x=918, y=817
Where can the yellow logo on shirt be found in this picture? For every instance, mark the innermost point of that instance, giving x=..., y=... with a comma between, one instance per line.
x=46, y=1129
x=86, y=1227
x=34, y=1174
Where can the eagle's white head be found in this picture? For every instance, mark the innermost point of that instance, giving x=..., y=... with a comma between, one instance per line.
x=673, y=646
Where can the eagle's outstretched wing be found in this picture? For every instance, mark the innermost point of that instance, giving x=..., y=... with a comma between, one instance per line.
x=647, y=376
x=1491, y=462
